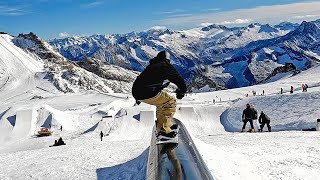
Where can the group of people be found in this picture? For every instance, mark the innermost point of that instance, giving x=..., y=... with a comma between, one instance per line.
x=249, y=114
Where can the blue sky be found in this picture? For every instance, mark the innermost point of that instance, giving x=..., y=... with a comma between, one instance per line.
x=54, y=18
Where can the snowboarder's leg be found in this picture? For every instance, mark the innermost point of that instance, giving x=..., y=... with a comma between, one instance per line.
x=166, y=108
x=244, y=125
x=251, y=124
x=269, y=127
x=166, y=111
x=262, y=125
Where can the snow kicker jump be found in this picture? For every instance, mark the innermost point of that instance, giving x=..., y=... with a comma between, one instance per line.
x=181, y=162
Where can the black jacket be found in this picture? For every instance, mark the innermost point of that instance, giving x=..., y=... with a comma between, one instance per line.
x=248, y=114
x=150, y=82
x=263, y=118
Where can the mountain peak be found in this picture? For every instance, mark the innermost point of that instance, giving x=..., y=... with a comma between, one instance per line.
x=214, y=26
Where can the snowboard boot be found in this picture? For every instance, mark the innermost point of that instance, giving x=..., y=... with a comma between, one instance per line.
x=163, y=135
x=252, y=130
x=243, y=130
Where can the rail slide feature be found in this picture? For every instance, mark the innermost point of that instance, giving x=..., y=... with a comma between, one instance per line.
x=178, y=162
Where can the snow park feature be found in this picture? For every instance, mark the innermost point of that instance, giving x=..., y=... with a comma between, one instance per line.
x=41, y=88
x=176, y=161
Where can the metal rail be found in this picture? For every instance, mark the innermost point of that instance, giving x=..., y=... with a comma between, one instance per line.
x=177, y=162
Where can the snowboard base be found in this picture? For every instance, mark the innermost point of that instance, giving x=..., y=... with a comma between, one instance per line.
x=168, y=140
x=174, y=140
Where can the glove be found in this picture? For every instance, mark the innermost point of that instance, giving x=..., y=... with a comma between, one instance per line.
x=138, y=102
x=179, y=94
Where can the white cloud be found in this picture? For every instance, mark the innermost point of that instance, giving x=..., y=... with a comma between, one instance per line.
x=306, y=16
x=92, y=4
x=205, y=24
x=6, y=10
x=295, y=12
x=236, y=21
x=64, y=34
x=212, y=9
x=175, y=11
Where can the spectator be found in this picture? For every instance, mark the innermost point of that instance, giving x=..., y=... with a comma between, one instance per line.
x=247, y=116
x=264, y=119
x=101, y=135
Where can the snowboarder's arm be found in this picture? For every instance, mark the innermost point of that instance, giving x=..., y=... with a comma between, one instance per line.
x=260, y=118
x=174, y=77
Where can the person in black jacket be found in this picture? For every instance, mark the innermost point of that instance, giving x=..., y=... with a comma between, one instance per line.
x=248, y=115
x=264, y=119
x=101, y=135
x=149, y=85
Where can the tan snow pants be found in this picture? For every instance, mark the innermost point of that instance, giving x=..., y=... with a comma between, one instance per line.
x=166, y=107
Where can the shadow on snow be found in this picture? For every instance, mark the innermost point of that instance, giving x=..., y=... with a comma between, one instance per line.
x=133, y=169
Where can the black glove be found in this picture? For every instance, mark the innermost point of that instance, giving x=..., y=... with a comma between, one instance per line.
x=179, y=94
x=138, y=102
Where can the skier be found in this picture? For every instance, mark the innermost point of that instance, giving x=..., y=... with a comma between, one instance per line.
x=148, y=88
x=281, y=91
x=101, y=135
x=263, y=92
x=60, y=128
x=264, y=119
x=291, y=89
x=303, y=88
x=248, y=115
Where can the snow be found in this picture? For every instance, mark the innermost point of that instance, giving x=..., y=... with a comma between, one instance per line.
x=213, y=119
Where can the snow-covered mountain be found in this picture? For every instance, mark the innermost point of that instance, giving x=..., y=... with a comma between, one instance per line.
x=68, y=76
x=215, y=52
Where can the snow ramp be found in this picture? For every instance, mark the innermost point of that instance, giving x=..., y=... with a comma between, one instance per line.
x=181, y=162
x=23, y=123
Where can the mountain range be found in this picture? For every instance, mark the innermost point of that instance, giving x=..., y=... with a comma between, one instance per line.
x=221, y=56
x=209, y=58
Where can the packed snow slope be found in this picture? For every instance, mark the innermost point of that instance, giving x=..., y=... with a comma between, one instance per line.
x=212, y=119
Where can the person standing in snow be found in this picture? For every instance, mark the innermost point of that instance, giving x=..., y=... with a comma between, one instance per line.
x=305, y=87
x=291, y=89
x=263, y=92
x=60, y=128
x=101, y=135
x=264, y=119
x=281, y=91
x=247, y=116
x=148, y=88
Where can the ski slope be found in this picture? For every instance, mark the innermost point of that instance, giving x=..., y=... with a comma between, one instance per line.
x=286, y=153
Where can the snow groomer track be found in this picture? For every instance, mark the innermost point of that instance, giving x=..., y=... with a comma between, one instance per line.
x=180, y=163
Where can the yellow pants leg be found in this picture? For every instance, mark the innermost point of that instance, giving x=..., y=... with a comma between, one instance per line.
x=166, y=108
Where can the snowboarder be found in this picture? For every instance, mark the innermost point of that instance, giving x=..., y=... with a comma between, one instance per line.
x=264, y=119
x=148, y=88
x=291, y=89
x=101, y=135
x=248, y=115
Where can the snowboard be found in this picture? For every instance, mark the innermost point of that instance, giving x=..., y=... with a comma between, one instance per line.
x=168, y=140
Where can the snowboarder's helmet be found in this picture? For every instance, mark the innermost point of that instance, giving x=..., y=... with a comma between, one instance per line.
x=164, y=55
